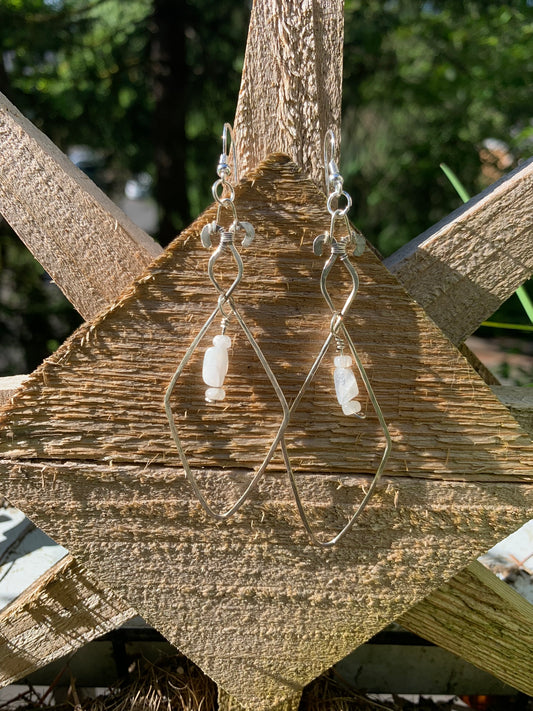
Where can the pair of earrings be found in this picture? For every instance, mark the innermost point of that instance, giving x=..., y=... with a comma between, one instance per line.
x=343, y=242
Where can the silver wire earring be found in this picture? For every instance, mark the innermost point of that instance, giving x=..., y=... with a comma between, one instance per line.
x=342, y=243
x=216, y=359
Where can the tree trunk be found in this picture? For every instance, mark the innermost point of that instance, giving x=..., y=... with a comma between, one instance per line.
x=169, y=86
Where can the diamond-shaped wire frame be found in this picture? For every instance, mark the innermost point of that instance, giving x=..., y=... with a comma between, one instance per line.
x=337, y=325
x=225, y=298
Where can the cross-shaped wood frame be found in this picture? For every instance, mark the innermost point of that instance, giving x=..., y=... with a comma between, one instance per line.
x=437, y=269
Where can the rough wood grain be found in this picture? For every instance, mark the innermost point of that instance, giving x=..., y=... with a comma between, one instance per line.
x=520, y=403
x=291, y=83
x=481, y=619
x=9, y=385
x=228, y=703
x=464, y=267
x=430, y=396
x=508, y=657
x=82, y=239
x=315, y=172
x=63, y=610
x=254, y=616
x=222, y=587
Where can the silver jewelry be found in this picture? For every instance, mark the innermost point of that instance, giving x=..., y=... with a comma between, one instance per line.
x=216, y=358
x=342, y=243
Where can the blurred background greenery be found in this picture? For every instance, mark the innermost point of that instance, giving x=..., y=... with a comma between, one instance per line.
x=136, y=93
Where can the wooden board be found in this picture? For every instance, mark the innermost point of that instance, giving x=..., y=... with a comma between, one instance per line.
x=8, y=386
x=216, y=589
x=520, y=403
x=24, y=625
x=291, y=83
x=463, y=618
x=65, y=609
x=463, y=268
x=81, y=238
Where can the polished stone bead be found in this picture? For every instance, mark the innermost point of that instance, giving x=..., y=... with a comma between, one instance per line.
x=352, y=407
x=215, y=364
x=346, y=386
x=342, y=361
x=214, y=394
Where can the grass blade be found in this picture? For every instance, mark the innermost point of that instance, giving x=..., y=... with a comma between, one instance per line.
x=456, y=183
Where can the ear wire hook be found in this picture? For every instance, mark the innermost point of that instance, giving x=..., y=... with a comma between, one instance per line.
x=223, y=161
x=331, y=172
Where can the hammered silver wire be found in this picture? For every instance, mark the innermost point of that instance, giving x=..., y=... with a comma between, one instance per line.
x=338, y=250
x=225, y=298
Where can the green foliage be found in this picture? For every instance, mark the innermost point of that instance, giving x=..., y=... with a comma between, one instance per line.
x=427, y=83
x=77, y=69
x=34, y=316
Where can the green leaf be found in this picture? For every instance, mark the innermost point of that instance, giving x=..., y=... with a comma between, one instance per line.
x=456, y=183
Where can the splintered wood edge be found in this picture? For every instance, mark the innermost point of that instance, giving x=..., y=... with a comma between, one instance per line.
x=481, y=619
x=464, y=267
x=9, y=385
x=518, y=400
x=80, y=237
x=74, y=601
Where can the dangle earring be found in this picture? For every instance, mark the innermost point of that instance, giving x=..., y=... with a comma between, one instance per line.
x=216, y=359
x=343, y=242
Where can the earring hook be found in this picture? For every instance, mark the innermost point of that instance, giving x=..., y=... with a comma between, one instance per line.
x=223, y=169
x=332, y=176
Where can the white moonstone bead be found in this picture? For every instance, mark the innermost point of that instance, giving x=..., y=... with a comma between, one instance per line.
x=352, y=407
x=342, y=361
x=215, y=364
x=222, y=341
x=346, y=386
x=214, y=394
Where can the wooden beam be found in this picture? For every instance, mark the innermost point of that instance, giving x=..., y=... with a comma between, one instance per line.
x=9, y=385
x=464, y=267
x=66, y=585
x=59, y=613
x=477, y=616
x=291, y=83
x=509, y=401
x=482, y=619
x=520, y=403
x=80, y=237
x=317, y=176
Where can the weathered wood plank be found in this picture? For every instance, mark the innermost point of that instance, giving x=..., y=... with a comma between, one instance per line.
x=291, y=83
x=480, y=618
x=415, y=279
x=228, y=703
x=82, y=239
x=60, y=612
x=463, y=268
x=9, y=385
x=520, y=403
x=416, y=532
x=75, y=597
x=437, y=407
x=237, y=629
